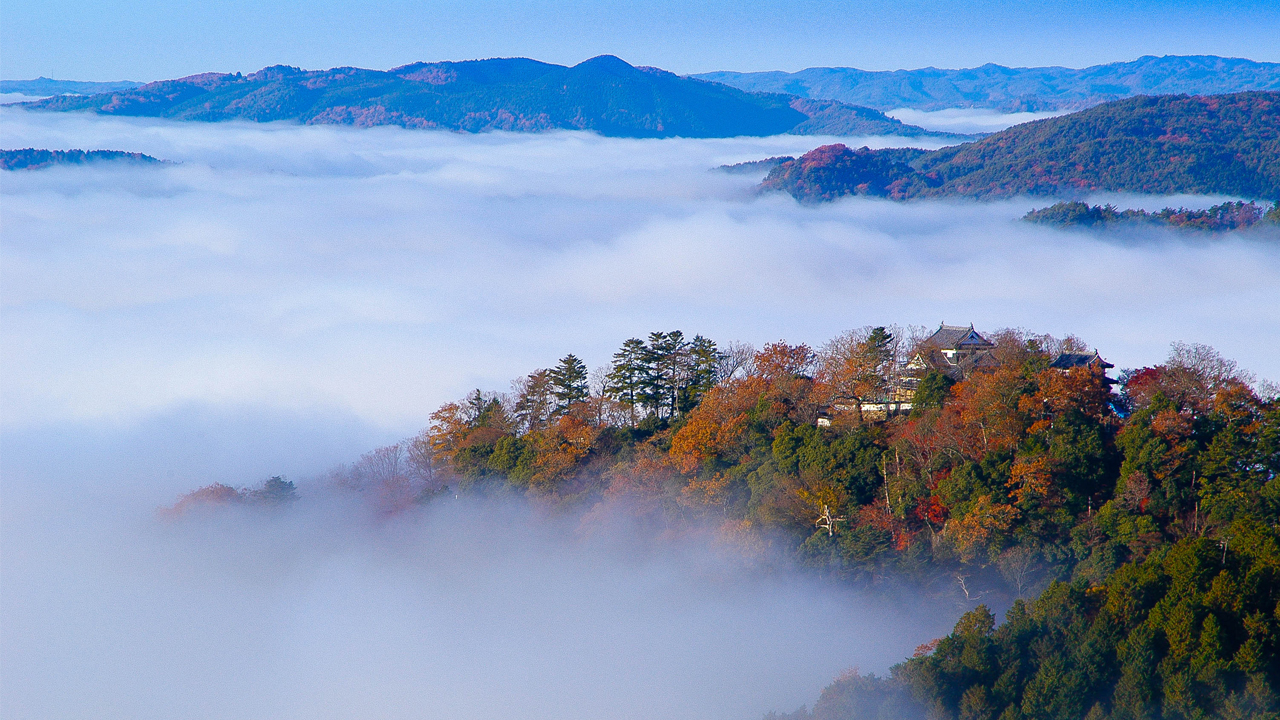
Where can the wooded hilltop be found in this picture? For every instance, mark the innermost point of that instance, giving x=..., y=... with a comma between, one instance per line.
x=1129, y=523
x=1213, y=144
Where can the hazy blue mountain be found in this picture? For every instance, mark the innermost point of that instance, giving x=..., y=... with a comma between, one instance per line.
x=603, y=94
x=1219, y=144
x=1014, y=89
x=45, y=86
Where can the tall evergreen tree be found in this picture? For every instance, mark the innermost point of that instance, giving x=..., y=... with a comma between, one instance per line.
x=700, y=371
x=625, y=381
x=656, y=392
x=568, y=382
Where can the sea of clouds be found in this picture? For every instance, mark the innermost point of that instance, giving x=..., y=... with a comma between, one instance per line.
x=967, y=120
x=468, y=609
x=282, y=298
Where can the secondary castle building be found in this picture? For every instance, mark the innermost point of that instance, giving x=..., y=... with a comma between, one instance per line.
x=956, y=351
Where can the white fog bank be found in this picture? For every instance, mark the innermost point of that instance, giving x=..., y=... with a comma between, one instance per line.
x=470, y=610
x=384, y=271
x=967, y=120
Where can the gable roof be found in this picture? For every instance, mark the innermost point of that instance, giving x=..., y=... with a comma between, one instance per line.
x=1066, y=361
x=957, y=337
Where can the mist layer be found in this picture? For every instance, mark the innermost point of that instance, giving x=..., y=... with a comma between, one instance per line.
x=383, y=271
x=467, y=609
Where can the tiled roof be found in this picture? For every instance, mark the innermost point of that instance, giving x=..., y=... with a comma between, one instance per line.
x=1066, y=361
x=978, y=361
x=954, y=337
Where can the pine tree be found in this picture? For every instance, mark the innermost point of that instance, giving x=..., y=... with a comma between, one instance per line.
x=568, y=382
x=664, y=360
x=700, y=373
x=625, y=380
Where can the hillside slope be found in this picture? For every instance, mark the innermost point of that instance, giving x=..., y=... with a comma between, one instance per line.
x=1014, y=89
x=1221, y=144
x=604, y=94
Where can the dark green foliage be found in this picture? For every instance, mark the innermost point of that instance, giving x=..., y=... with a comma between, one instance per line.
x=932, y=392
x=513, y=458
x=1222, y=144
x=603, y=94
x=970, y=480
x=625, y=381
x=700, y=368
x=32, y=159
x=568, y=382
x=1238, y=468
x=1225, y=216
x=1083, y=450
x=276, y=491
x=850, y=460
x=1188, y=633
x=751, y=167
x=482, y=407
x=1228, y=144
x=663, y=360
x=1073, y=212
x=664, y=377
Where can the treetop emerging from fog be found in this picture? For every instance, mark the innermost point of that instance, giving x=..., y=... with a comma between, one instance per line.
x=991, y=466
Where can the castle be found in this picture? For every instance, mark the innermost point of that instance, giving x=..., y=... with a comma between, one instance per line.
x=955, y=351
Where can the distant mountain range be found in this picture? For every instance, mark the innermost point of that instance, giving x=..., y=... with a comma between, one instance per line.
x=604, y=94
x=33, y=159
x=44, y=86
x=1221, y=144
x=1014, y=89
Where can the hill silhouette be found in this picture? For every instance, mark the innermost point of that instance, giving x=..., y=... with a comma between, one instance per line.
x=1014, y=89
x=604, y=94
x=46, y=86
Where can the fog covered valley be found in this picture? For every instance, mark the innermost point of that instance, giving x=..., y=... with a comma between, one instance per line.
x=283, y=299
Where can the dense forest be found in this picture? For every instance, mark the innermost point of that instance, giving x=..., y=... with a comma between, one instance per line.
x=1129, y=523
x=1219, y=144
x=33, y=159
x=1235, y=215
x=604, y=94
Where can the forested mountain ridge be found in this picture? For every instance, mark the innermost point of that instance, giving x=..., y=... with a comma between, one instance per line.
x=1223, y=216
x=1141, y=512
x=33, y=159
x=604, y=94
x=1217, y=144
x=1014, y=89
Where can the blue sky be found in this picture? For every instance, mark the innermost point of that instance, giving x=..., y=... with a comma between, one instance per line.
x=152, y=39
